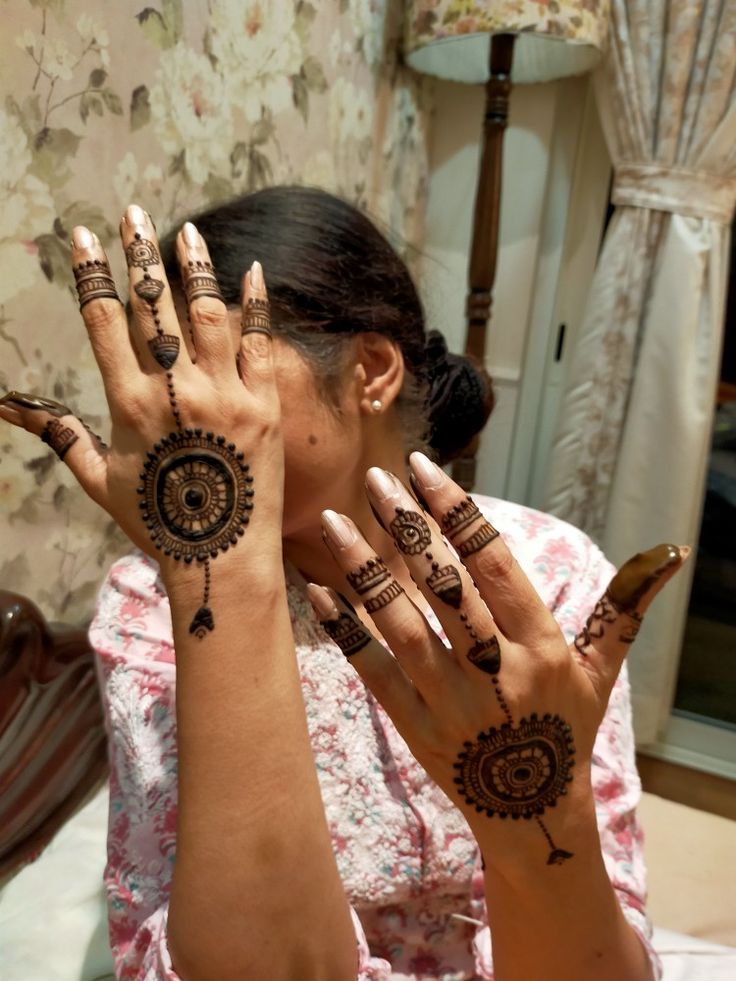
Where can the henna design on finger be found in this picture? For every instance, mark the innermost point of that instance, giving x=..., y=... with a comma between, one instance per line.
x=59, y=437
x=349, y=634
x=371, y=574
x=639, y=575
x=25, y=401
x=446, y=584
x=485, y=654
x=605, y=612
x=142, y=253
x=631, y=628
x=410, y=532
x=198, y=279
x=386, y=596
x=196, y=497
x=94, y=281
x=256, y=317
x=461, y=517
x=518, y=771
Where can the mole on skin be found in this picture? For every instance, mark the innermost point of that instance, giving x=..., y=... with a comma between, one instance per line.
x=637, y=576
x=313, y=439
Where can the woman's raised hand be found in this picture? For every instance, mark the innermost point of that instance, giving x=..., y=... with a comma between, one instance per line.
x=196, y=423
x=505, y=717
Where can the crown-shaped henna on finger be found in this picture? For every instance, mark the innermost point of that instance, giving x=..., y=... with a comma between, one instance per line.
x=460, y=517
x=349, y=635
x=446, y=584
x=371, y=574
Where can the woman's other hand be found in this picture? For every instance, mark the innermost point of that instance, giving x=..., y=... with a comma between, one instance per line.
x=196, y=453
x=504, y=718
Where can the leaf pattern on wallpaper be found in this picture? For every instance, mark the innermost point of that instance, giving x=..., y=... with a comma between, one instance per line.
x=176, y=106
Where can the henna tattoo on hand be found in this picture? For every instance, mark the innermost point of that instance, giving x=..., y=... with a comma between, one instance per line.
x=94, y=281
x=446, y=584
x=371, y=574
x=637, y=576
x=386, y=596
x=518, y=771
x=198, y=278
x=410, y=532
x=256, y=317
x=142, y=253
x=348, y=633
x=460, y=518
x=196, y=496
x=164, y=348
x=604, y=613
x=59, y=437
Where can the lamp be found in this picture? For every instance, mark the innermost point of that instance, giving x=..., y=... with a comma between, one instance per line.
x=498, y=42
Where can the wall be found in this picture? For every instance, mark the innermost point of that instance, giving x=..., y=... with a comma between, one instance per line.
x=555, y=185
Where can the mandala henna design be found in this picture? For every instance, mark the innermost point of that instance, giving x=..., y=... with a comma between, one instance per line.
x=386, y=596
x=59, y=437
x=368, y=576
x=94, y=281
x=257, y=317
x=349, y=635
x=198, y=279
x=518, y=771
x=410, y=532
x=446, y=584
x=196, y=496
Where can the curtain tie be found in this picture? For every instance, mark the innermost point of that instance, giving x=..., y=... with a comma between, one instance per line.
x=694, y=193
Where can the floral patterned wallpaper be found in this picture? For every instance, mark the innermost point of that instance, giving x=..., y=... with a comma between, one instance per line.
x=175, y=106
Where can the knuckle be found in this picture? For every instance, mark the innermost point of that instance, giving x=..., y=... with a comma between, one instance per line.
x=255, y=346
x=407, y=633
x=100, y=315
x=208, y=313
x=495, y=562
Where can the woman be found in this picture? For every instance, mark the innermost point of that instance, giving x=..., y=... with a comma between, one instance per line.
x=314, y=801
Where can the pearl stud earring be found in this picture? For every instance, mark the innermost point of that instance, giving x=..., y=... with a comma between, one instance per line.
x=376, y=405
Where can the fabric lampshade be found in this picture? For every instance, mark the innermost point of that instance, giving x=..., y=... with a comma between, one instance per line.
x=451, y=38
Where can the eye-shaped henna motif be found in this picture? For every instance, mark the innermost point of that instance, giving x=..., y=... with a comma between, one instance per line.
x=410, y=532
x=59, y=437
x=94, y=281
x=518, y=771
x=348, y=633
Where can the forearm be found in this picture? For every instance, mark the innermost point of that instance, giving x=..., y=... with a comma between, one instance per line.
x=255, y=890
x=560, y=921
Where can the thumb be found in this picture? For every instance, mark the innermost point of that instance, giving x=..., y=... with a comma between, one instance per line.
x=612, y=627
x=72, y=441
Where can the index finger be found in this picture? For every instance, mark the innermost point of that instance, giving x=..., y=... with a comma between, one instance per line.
x=512, y=600
x=104, y=316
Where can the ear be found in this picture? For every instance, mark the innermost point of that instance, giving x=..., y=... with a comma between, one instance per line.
x=379, y=371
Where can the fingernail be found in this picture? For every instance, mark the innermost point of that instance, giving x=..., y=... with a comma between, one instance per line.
x=382, y=485
x=322, y=602
x=337, y=529
x=427, y=473
x=190, y=234
x=135, y=215
x=685, y=551
x=256, y=275
x=25, y=401
x=82, y=238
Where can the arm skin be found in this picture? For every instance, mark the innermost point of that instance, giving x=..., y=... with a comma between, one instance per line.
x=256, y=891
x=562, y=921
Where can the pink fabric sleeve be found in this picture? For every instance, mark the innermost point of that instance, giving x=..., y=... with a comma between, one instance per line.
x=131, y=633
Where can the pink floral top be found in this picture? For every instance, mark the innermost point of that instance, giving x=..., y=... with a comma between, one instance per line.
x=410, y=866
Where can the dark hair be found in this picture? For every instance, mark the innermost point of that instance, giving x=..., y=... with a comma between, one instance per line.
x=330, y=275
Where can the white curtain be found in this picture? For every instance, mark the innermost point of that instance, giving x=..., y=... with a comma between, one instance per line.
x=631, y=450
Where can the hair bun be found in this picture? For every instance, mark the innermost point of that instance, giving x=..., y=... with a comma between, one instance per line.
x=460, y=398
